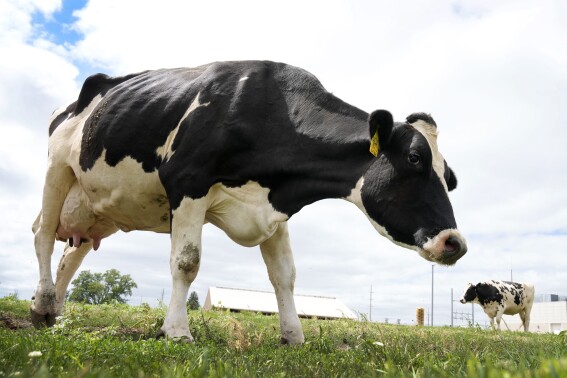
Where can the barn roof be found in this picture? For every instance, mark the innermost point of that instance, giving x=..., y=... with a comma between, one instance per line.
x=265, y=302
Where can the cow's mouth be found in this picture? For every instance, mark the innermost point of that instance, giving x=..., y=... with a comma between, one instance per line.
x=446, y=248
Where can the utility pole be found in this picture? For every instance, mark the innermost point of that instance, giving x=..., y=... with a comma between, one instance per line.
x=452, y=313
x=432, y=266
x=370, y=308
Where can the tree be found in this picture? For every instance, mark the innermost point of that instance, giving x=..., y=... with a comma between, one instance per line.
x=98, y=288
x=193, y=301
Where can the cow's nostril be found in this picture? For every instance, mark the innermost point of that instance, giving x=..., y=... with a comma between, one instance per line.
x=452, y=245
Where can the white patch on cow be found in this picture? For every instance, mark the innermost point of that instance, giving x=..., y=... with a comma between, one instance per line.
x=132, y=198
x=244, y=213
x=65, y=142
x=243, y=78
x=165, y=152
x=430, y=133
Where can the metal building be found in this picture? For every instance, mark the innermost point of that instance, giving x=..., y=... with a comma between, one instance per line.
x=549, y=314
x=307, y=306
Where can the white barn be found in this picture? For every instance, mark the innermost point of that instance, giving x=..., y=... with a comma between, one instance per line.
x=307, y=306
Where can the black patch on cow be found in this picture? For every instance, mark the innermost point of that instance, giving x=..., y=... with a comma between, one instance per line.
x=470, y=294
x=98, y=84
x=488, y=293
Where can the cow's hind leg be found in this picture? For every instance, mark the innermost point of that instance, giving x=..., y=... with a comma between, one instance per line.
x=68, y=265
x=498, y=317
x=278, y=257
x=186, y=226
x=525, y=316
x=57, y=183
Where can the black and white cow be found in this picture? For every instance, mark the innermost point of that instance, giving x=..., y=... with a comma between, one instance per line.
x=502, y=297
x=244, y=146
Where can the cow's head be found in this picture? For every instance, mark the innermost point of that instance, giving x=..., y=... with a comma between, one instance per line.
x=470, y=294
x=405, y=190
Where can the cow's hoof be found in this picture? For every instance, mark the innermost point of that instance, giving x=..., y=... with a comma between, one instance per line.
x=179, y=339
x=42, y=320
x=183, y=340
x=160, y=334
x=288, y=341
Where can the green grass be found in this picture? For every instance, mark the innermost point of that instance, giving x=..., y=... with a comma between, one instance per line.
x=118, y=340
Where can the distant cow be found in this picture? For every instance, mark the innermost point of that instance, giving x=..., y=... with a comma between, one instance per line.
x=244, y=146
x=502, y=297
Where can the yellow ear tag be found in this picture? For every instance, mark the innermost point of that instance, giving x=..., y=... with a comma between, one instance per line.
x=374, y=145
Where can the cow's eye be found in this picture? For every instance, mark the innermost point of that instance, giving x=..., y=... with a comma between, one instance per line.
x=414, y=158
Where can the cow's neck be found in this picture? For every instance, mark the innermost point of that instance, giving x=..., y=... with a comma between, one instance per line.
x=331, y=158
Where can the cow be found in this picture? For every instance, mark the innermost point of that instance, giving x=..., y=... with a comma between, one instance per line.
x=502, y=297
x=243, y=145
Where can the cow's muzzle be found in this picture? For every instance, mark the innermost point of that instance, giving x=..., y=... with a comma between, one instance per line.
x=446, y=248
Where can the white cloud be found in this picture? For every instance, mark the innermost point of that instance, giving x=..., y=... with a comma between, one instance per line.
x=493, y=75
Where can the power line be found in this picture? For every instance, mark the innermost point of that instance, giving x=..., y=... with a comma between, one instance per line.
x=432, y=266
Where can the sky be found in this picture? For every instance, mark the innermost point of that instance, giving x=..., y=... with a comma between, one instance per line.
x=493, y=74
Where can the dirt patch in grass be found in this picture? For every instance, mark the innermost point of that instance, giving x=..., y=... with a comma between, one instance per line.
x=9, y=322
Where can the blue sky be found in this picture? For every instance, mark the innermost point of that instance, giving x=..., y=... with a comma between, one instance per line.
x=492, y=74
x=59, y=25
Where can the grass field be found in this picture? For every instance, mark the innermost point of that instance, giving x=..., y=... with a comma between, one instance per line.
x=118, y=340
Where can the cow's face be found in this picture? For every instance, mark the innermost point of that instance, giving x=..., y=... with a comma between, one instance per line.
x=405, y=190
x=470, y=294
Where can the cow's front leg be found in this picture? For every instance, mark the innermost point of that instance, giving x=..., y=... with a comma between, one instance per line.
x=278, y=257
x=187, y=223
x=68, y=265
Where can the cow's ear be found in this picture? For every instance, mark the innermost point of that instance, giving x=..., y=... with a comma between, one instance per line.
x=450, y=178
x=380, y=124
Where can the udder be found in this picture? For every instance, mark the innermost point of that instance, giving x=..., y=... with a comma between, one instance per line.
x=78, y=223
